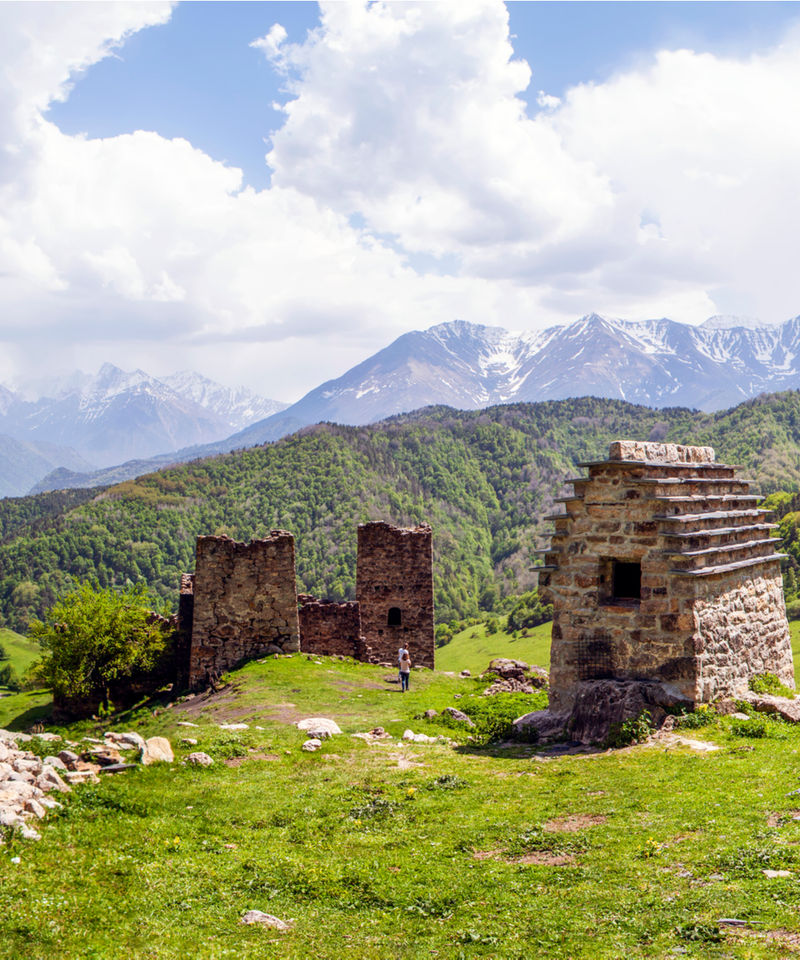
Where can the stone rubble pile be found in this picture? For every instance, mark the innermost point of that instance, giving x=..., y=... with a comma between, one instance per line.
x=513, y=676
x=25, y=784
x=26, y=780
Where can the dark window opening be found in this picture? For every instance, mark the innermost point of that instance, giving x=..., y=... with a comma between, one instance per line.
x=626, y=580
x=394, y=618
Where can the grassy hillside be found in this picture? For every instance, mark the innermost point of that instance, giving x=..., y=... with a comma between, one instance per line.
x=472, y=649
x=410, y=851
x=21, y=651
x=484, y=479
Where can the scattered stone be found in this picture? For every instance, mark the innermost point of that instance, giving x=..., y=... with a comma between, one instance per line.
x=47, y=736
x=68, y=758
x=28, y=833
x=514, y=676
x=738, y=715
x=319, y=723
x=266, y=920
x=418, y=737
x=157, y=750
x=118, y=767
x=458, y=715
x=234, y=726
x=311, y=745
x=430, y=714
x=319, y=734
x=56, y=762
x=199, y=759
x=776, y=874
x=186, y=723
x=189, y=741
x=465, y=673
x=765, y=703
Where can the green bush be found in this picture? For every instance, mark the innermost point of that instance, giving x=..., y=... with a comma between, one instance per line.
x=95, y=636
x=493, y=716
x=761, y=726
x=634, y=730
x=9, y=678
x=770, y=684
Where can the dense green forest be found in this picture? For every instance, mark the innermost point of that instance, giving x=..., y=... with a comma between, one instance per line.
x=484, y=479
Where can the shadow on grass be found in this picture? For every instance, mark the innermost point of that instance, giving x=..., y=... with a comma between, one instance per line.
x=33, y=714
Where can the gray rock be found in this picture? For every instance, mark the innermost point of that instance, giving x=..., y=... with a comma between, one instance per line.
x=157, y=750
x=56, y=762
x=266, y=920
x=199, y=759
x=766, y=703
x=465, y=673
x=598, y=705
x=458, y=715
x=28, y=833
x=319, y=723
x=189, y=741
x=68, y=758
x=430, y=714
x=133, y=738
x=7, y=817
x=311, y=745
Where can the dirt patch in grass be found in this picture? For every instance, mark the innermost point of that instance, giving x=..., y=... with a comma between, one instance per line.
x=789, y=941
x=574, y=822
x=544, y=858
x=778, y=819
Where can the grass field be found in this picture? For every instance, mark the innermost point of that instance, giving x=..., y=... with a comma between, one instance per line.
x=21, y=651
x=473, y=648
x=397, y=850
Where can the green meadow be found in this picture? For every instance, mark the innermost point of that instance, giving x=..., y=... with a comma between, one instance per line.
x=407, y=850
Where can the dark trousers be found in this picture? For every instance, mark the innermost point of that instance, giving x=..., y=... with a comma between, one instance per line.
x=403, y=681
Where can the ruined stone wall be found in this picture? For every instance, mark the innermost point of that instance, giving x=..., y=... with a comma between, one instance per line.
x=741, y=630
x=330, y=629
x=394, y=589
x=245, y=603
x=183, y=640
x=703, y=549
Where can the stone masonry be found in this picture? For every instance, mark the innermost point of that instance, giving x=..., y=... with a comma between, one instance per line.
x=245, y=603
x=330, y=629
x=663, y=568
x=394, y=589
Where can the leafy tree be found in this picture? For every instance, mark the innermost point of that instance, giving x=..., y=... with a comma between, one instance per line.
x=95, y=636
x=529, y=611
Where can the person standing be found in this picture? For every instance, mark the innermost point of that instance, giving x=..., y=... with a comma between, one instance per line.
x=405, y=671
x=400, y=654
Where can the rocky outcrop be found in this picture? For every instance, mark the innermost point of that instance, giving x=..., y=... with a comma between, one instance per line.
x=513, y=676
x=598, y=706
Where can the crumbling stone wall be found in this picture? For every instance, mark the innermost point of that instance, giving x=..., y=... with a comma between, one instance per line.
x=330, y=629
x=394, y=589
x=183, y=637
x=664, y=568
x=245, y=603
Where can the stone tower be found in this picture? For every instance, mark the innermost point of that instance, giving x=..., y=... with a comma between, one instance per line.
x=244, y=603
x=663, y=568
x=394, y=589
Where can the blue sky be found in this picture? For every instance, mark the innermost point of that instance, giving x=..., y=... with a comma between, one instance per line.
x=196, y=76
x=518, y=165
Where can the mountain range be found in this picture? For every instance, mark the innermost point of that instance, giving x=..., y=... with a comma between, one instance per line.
x=83, y=422
x=659, y=363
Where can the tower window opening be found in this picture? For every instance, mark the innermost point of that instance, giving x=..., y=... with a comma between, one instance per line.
x=394, y=619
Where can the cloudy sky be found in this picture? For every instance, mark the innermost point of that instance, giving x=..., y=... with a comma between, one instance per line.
x=269, y=192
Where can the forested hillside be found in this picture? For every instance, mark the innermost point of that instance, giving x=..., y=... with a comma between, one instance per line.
x=484, y=479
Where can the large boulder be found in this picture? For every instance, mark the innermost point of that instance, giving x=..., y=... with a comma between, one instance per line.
x=316, y=725
x=786, y=708
x=157, y=750
x=598, y=705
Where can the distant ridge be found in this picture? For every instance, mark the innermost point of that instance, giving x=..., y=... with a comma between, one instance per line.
x=658, y=363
